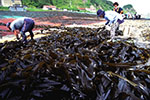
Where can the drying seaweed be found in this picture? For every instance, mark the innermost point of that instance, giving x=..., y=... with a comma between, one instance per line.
x=75, y=64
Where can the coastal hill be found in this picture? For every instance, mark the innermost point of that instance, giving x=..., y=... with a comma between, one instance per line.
x=76, y=4
x=129, y=8
x=70, y=4
x=67, y=4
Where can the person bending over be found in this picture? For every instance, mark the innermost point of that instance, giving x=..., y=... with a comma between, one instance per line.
x=24, y=25
x=113, y=20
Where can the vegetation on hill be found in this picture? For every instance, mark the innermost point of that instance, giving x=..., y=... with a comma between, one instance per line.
x=104, y=4
x=4, y=8
x=70, y=4
x=129, y=8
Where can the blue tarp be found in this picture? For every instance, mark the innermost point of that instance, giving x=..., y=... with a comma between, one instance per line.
x=3, y=16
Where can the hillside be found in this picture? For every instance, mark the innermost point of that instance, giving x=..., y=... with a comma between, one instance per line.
x=73, y=4
x=70, y=4
x=129, y=8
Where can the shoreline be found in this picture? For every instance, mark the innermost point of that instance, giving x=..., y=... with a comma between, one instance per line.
x=132, y=28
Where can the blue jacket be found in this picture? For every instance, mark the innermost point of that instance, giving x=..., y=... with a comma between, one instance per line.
x=118, y=10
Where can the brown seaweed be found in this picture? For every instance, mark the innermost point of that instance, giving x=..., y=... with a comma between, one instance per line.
x=76, y=64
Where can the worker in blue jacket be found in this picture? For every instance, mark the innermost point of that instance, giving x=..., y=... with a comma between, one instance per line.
x=117, y=8
x=113, y=20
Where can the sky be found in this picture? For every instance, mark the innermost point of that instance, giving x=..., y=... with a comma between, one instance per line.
x=141, y=6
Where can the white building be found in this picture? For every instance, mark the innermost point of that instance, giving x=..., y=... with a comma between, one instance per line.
x=47, y=7
x=91, y=9
x=7, y=3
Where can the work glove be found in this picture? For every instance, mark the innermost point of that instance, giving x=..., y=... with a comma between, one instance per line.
x=100, y=29
x=108, y=27
x=17, y=37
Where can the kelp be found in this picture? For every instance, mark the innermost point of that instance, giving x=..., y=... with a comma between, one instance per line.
x=75, y=64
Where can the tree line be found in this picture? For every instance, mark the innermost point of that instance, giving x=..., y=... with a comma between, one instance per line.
x=69, y=4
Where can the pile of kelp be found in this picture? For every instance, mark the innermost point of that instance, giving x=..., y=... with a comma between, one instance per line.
x=74, y=64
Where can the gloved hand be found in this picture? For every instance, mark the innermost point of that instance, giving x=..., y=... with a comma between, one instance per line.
x=17, y=37
x=100, y=29
x=108, y=27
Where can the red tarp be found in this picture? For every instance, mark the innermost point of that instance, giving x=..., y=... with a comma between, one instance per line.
x=52, y=21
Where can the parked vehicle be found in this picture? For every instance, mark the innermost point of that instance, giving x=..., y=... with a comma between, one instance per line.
x=132, y=16
x=17, y=8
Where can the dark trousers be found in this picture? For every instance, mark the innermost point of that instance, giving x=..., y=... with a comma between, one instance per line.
x=27, y=27
x=120, y=22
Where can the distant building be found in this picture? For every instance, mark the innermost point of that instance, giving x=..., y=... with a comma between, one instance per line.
x=47, y=7
x=91, y=9
x=81, y=9
x=7, y=3
x=17, y=8
x=65, y=10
